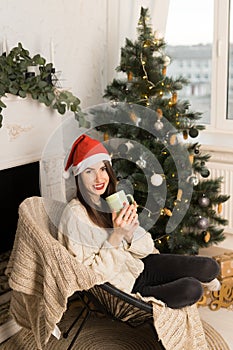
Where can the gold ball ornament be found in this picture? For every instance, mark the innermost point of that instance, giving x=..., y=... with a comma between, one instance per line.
x=147, y=43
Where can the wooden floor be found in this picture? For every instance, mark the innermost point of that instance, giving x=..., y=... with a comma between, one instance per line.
x=222, y=319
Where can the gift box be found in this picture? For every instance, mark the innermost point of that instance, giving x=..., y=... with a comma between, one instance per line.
x=226, y=265
x=219, y=299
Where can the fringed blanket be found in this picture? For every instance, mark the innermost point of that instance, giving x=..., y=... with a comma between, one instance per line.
x=43, y=275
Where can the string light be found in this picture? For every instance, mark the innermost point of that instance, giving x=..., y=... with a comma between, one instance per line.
x=143, y=62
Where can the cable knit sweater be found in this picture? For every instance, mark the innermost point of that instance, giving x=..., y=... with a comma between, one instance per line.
x=88, y=243
x=43, y=274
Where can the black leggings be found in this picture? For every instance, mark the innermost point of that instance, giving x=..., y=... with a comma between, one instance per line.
x=175, y=279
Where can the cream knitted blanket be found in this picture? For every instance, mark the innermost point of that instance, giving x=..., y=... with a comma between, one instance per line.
x=43, y=275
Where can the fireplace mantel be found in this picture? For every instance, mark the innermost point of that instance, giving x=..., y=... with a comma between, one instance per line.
x=27, y=126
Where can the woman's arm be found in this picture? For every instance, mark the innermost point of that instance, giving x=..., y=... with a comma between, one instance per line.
x=88, y=242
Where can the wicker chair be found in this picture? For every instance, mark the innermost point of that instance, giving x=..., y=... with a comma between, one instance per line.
x=45, y=213
x=104, y=298
x=111, y=301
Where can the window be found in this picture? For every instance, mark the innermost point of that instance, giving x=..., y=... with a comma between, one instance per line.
x=200, y=33
x=230, y=64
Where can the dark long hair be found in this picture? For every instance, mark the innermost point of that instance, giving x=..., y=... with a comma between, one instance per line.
x=101, y=217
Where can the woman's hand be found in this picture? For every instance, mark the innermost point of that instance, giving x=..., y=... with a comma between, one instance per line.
x=124, y=224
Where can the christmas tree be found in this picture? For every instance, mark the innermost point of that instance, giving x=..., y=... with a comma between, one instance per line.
x=184, y=210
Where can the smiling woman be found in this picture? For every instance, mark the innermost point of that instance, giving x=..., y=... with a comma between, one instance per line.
x=114, y=245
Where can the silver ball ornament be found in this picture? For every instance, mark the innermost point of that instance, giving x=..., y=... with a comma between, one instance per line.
x=203, y=223
x=204, y=202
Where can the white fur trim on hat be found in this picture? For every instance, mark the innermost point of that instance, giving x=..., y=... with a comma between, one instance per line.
x=87, y=162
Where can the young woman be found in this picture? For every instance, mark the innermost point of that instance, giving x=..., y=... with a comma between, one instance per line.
x=115, y=245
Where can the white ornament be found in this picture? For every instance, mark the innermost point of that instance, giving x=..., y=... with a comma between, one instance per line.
x=156, y=179
x=157, y=54
x=166, y=61
x=141, y=163
x=158, y=125
x=158, y=35
x=193, y=180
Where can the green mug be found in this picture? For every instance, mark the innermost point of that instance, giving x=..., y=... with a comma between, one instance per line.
x=116, y=200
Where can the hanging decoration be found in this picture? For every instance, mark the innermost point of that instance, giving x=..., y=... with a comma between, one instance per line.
x=156, y=179
x=193, y=180
x=193, y=132
x=219, y=208
x=141, y=163
x=206, y=236
x=135, y=118
x=185, y=134
x=204, y=201
x=203, y=223
x=158, y=124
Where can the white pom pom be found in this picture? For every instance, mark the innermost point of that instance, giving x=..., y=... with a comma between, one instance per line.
x=66, y=174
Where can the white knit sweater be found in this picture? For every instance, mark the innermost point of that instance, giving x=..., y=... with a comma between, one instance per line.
x=88, y=243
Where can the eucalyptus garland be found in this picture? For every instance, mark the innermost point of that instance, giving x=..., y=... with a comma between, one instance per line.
x=23, y=75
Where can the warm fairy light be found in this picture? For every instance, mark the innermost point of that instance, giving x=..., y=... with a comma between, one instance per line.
x=145, y=77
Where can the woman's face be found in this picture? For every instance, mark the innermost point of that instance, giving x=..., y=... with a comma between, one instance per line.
x=95, y=179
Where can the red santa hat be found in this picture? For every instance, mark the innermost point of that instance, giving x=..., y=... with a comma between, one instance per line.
x=85, y=152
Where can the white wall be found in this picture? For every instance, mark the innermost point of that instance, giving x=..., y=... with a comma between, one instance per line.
x=77, y=30
x=86, y=36
x=83, y=40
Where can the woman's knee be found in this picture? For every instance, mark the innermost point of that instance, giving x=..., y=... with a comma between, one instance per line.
x=191, y=289
x=209, y=269
x=188, y=292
